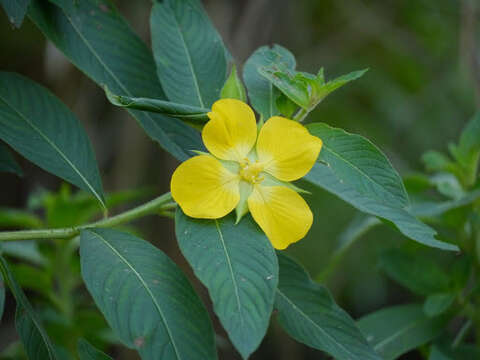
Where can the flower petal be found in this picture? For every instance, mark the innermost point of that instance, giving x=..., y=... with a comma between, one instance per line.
x=287, y=149
x=232, y=131
x=282, y=214
x=204, y=188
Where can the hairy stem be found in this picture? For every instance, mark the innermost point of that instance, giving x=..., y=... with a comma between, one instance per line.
x=157, y=205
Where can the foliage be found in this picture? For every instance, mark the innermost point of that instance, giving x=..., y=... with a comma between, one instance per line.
x=141, y=298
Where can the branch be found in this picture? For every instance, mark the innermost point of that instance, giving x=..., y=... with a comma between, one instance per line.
x=157, y=205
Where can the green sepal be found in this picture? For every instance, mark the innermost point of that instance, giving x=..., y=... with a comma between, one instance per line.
x=233, y=88
x=270, y=180
x=242, y=208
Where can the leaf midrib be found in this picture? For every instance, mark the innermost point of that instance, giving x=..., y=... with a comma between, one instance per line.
x=8, y=277
x=107, y=69
x=230, y=268
x=52, y=144
x=144, y=284
x=337, y=155
x=189, y=58
x=400, y=332
x=297, y=309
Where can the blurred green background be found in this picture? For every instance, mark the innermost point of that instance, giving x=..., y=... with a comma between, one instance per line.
x=422, y=87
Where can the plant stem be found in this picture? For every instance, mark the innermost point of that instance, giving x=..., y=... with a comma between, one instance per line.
x=300, y=115
x=159, y=204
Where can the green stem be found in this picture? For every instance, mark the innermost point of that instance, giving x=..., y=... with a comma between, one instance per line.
x=159, y=204
x=301, y=115
x=462, y=333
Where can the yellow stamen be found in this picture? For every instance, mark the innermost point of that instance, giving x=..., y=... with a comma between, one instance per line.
x=250, y=171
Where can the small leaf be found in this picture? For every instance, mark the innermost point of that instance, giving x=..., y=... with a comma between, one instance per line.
x=188, y=51
x=7, y=161
x=55, y=141
x=87, y=351
x=32, y=334
x=396, y=330
x=180, y=111
x=16, y=10
x=304, y=89
x=19, y=219
x=239, y=267
x=97, y=39
x=261, y=92
x=355, y=170
x=416, y=271
x=437, y=304
x=145, y=298
x=233, y=88
x=307, y=311
x=24, y=250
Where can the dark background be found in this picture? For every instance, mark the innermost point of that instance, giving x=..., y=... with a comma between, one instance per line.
x=422, y=87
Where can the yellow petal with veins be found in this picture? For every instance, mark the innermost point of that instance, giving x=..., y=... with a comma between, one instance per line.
x=282, y=214
x=232, y=131
x=204, y=189
x=286, y=148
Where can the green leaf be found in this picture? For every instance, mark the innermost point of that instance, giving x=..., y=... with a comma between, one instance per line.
x=428, y=209
x=233, y=87
x=16, y=10
x=356, y=160
x=13, y=218
x=239, y=267
x=32, y=334
x=2, y=296
x=307, y=311
x=304, y=89
x=462, y=352
x=355, y=170
x=55, y=141
x=144, y=297
x=87, y=351
x=263, y=95
x=467, y=153
x=24, y=250
x=396, y=330
x=437, y=304
x=180, y=111
x=7, y=161
x=416, y=271
x=188, y=51
x=96, y=38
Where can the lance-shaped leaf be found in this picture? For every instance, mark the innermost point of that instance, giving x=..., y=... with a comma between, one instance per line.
x=307, y=311
x=7, y=161
x=396, y=330
x=263, y=95
x=189, y=52
x=87, y=351
x=304, y=89
x=41, y=128
x=238, y=265
x=355, y=170
x=29, y=327
x=145, y=298
x=174, y=110
x=16, y=10
x=420, y=274
x=96, y=38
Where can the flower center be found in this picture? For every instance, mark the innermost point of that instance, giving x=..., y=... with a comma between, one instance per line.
x=250, y=171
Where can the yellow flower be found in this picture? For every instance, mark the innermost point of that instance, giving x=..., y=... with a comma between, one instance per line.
x=247, y=172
